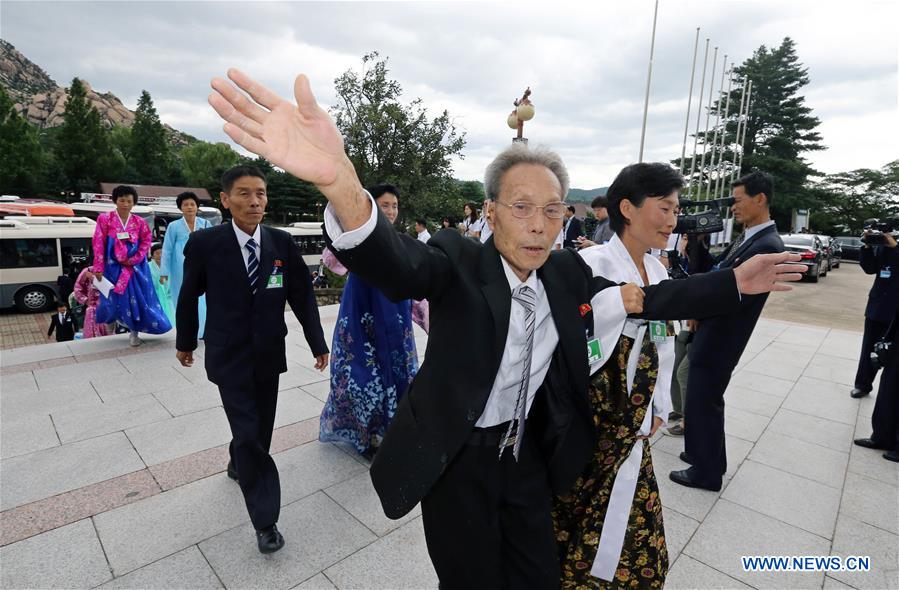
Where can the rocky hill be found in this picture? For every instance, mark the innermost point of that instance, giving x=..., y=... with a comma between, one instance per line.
x=42, y=101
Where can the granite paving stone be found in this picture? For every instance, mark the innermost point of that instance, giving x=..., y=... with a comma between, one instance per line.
x=317, y=533
x=185, y=570
x=801, y=502
x=813, y=429
x=371, y=569
x=678, y=530
x=731, y=531
x=189, y=398
x=141, y=533
x=67, y=557
x=319, y=390
x=780, y=368
x=872, y=502
x=31, y=477
x=113, y=416
x=295, y=405
x=801, y=458
x=689, y=574
x=817, y=398
x=316, y=582
x=68, y=374
x=312, y=467
x=762, y=382
x=16, y=404
x=25, y=435
x=842, y=344
x=870, y=463
x=744, y=424
x=358, y=497
x=752, y=401
x=832, y=368
x=689, y=502
x=115, y=387
x=176, y=437
x=855, y=538
x=19, y=382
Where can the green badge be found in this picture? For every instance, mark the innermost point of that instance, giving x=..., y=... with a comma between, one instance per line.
x=275, y=282
x=594, y=351
x=658, y=331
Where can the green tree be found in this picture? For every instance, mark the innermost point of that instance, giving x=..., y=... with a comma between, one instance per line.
x=845, y=200
x=389, y=141
x=780, y=129
x=149, y=149
x=21, y=156
x=82, y=146
x=202, y=164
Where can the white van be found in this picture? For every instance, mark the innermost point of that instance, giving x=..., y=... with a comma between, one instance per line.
x=309, y=237
x=34, y=251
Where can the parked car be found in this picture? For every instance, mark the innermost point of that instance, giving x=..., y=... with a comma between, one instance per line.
x=837, y=251
x=850, y=246
x=813, y=253
x=829, y=254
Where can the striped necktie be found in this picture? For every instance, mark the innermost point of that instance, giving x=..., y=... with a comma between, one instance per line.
x=527, y=298
x=252, y=265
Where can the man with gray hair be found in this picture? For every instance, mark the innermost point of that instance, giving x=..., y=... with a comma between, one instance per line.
x=483, y=449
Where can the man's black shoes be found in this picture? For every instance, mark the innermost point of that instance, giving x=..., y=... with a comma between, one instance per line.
x=269, y=539
x=685, y=457
x=857, y=393
x=892, y=455
x=685, y=478
x=870, y=443
x=232, y=473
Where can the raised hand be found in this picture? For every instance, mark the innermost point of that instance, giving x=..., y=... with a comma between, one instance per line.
x=301, y=138
x=766, y=272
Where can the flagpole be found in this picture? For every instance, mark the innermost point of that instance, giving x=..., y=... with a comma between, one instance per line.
x=719, y=183
x=652, y=47
x=705, y=65
x=683, y=151
x=717, y=120
x=743, y=139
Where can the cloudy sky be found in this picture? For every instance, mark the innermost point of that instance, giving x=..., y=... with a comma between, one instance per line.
x=585, y=64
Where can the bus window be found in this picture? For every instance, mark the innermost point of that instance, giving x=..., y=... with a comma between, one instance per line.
x=75, y=252
x=28, y=253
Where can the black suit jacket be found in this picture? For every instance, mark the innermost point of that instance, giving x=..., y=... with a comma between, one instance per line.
x=65, y=331
x=720, y=340
x=575, y=230
x=883, y=299
x=465, y=284
x=244, y=333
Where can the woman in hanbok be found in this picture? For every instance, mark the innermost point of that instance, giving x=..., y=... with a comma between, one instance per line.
x=162, y=289
x=176, y=234
x=373, y=355
x=121, y=242
x=609, y=528
x=87, y=295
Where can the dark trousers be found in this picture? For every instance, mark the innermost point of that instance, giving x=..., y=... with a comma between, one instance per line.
x=251, y=413
x=885, y=419
x=874, y=331
x=487, y=520
x=704, y=413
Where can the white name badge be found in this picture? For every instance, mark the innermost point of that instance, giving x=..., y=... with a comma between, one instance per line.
x=886, y=273
x=123, y=235
x=594, y=351
x=275, y=282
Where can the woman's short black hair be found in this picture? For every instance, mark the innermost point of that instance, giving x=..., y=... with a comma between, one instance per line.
x=123, y=190
x=379, y=190
x=232, y=174
x=154, y=248
x=600, y=201
x=635, y=183
x=186, y=196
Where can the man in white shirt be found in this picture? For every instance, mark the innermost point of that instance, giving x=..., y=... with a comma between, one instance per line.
x=482, y=448
x=421, y=229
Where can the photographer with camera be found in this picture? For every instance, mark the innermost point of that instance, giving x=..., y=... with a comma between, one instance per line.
x=885, y=419
x=878, y=256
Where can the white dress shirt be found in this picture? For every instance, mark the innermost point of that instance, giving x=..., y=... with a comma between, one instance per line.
x=751, y=231
x=504, y=394
x=242, y=239
x=424, y=236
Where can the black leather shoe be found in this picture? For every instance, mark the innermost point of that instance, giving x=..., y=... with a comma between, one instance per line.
x=870, y=443
x=685, y=457
x=232, y=473
x=892, y=455
x=857, y=393
x=269, y=539
x=685, y=478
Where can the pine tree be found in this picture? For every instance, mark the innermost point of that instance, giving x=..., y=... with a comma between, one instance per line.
x=780, y=129
x=21, y=156
x=149, y=149
x=82, y=146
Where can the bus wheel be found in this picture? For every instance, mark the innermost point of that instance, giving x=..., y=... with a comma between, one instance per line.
x=34, y=298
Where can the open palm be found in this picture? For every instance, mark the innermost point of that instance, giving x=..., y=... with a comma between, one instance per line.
x=302, y=139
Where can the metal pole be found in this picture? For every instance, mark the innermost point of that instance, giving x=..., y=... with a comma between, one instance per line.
x=652, y=47
x=719, y=184
x=683, y=151
x=733, y=174
x=708, y=190
x=705, y=64
x=708, y=116
x=743, y=139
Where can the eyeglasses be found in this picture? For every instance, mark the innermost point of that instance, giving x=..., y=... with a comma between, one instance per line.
x=524, y=210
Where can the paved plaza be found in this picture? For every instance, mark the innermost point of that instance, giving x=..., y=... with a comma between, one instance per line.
x=113, y=463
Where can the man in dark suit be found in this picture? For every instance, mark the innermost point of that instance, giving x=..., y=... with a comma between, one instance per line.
x=573, y=229
x=482, y=448
x=63, y=324
x=248, y=272
x=883, y=302
x=719, y=342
